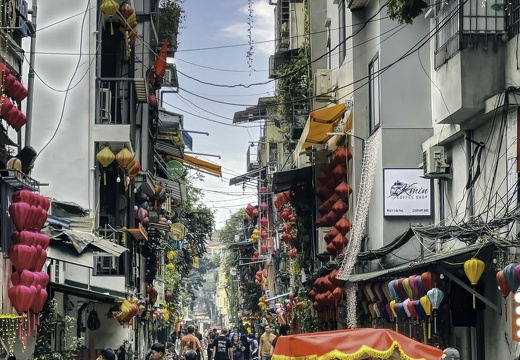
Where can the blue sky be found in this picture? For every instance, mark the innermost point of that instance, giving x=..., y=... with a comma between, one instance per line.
x=223, y=24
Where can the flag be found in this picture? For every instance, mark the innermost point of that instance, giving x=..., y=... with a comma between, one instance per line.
x=160, y=62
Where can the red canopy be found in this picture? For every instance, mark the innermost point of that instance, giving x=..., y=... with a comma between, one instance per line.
x=353, y=344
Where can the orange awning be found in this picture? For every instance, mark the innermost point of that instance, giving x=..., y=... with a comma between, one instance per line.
x=353, y=344
x=320, y=123
x=201, y=165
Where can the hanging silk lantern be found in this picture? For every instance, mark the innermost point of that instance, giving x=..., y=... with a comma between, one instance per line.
x=474, y=268
x=263, y=206
x=263, y=221
x=435, y=296
x=110, y=7
x=408, y=288
x=124, y=157
x=504, y=288
x=394, y=313
x=509, y=274
x=105, y=157
x=263, y=189
x=427, y=306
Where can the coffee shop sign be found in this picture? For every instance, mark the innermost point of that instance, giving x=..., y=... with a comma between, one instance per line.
x=16, y=14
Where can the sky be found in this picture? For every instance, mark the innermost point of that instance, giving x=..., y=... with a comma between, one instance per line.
x=223, y=27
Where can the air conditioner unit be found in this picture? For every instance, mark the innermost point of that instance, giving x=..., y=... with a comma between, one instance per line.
x=106, y=106
x=272, y=71
x=167, y=79
x=321, y=244
x=434, y=163
x=323, y=85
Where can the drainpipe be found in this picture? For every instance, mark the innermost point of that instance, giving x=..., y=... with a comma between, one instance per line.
x=468, y=136
x=30, y=83
x=438, y=243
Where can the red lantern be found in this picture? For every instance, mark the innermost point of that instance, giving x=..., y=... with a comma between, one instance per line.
x=340, y=207
x=343, y=190
x=152, y=100
x=31, y=198
x=343, y=226
x=21, y=298
x=23, y=257
x=30, y=238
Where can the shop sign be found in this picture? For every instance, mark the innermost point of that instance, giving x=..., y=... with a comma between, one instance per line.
x=16, y=13
x=406, y=193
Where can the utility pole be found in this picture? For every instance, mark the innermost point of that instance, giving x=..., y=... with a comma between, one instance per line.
x=30, y=84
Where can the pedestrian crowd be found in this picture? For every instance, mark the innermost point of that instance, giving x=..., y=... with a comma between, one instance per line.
x=216, y=344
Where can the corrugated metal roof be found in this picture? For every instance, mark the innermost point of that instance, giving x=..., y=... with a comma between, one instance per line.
x=173, y=188
x=168, y=148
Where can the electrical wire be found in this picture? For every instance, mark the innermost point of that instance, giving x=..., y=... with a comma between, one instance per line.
x=70, y=82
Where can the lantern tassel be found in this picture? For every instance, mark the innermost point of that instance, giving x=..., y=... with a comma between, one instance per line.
x=474, y=299
x=435, y=321
x=104, y=178
x=111, y=27
x=424, y=331
x=396, y=325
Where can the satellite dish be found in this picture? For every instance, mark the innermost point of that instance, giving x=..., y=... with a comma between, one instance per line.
x=233, y=271
x=175, y=170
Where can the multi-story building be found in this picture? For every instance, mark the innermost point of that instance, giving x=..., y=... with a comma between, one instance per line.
x=109, y=152
x=428, y=113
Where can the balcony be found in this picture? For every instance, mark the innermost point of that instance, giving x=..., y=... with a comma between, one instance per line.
x=469, y=38
x=252, y=159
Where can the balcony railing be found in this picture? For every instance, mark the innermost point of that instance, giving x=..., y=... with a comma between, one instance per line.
x=117, y=99
x=465, y=24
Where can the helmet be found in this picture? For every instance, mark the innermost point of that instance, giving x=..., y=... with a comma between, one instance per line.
x=190, y=355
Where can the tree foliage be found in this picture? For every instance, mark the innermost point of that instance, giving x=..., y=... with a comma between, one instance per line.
x=404, y=11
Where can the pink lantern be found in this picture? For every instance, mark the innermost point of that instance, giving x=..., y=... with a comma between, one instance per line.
x=264, y=234
x=263, y=206
x=263, y=221
x=263, y=189
x=263, y=249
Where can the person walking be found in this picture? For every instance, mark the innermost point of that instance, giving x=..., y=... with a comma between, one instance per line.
x=190, y=342
x=157, y=352
x=266, y=343
x=238, y=348
x=211, y=337
x=283, y=331
x=246, y=344
x=106, y=354
x=222, y=346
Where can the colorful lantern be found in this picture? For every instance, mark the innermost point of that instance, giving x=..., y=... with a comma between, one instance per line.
x=509, y=274
x=105, y=157
x=435, y=296
x=110, y=7
x=474, y=268
x=504, y=288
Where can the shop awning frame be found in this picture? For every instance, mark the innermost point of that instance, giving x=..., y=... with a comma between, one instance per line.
x=201, y=165
x=410, y=267
x=320, y=123
x=252, y=175
x=284, y=180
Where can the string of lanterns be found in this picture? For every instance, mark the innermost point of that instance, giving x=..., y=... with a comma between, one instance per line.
x=12, y=89
x=28, y=254
x=334, y=194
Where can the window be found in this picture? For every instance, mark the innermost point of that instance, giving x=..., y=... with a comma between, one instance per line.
x=342, y=32
x=373, y=94
x=106, y=265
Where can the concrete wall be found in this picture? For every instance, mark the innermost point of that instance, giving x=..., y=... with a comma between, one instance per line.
x=69, y=154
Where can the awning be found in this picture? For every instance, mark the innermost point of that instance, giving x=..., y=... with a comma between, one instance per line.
x=255, y=174
x=284, y=180
x=320, y=123
x=174, y=189
x=201, y=165
x=66, y=253
x=139, y=233
x=168, y=147
x=80, y=240
x=84, y=293
x=409, y=267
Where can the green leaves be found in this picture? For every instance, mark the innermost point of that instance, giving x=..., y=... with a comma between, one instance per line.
x=404, y=11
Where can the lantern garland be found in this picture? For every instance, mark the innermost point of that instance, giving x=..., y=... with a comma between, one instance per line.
x=334, y=194
x=28, y=255
x=128, y=25
x=12, y=89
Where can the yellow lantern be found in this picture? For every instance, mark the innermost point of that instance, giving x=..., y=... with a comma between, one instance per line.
x=428, y=309
x=125, y=158
x=170, y=255
x=170, y=266
x=474, y=268
x=110, y=8
x=105, y=157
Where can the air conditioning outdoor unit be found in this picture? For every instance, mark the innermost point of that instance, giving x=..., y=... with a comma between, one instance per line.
x=434, y=163
x=322, y=245
x=167, y=79
x=323, y=85
x=106, y=106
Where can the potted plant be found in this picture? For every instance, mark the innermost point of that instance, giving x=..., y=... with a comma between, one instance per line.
x=171, y=15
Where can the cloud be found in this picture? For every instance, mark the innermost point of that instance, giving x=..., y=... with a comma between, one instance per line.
x=262, y=32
